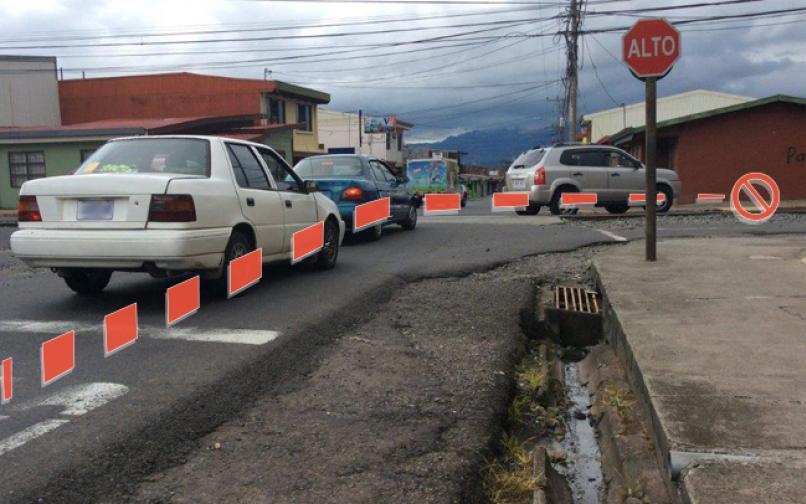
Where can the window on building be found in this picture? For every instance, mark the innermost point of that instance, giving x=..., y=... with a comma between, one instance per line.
x=388, y=140
x=243, y=160
x=305, y=116
x=86, y=153
x=276, y=111
x=400, y=140
x=24, y=166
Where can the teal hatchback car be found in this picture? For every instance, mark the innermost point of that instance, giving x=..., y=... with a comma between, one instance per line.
x=351, y=179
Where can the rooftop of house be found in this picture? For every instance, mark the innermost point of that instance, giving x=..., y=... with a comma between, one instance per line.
x=263, y=85
x=241, y=124
x=627, y=133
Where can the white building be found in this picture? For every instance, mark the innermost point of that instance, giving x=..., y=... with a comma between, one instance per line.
x=342, y=132
x=608, y=122
x=29, y=91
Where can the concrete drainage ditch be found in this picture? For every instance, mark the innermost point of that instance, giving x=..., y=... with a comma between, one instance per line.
x=572, y=435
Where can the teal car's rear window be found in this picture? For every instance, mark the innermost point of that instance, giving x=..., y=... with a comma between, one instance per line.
x=323, y=167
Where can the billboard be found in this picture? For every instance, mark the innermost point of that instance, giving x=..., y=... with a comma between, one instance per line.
x=432, y=175
x=379, y=124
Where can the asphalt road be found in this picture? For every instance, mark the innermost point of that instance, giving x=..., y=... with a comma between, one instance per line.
x=142, y=408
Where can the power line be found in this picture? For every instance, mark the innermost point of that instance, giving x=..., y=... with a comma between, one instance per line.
x=596, y=73
x=385, y=20
x=279, y=37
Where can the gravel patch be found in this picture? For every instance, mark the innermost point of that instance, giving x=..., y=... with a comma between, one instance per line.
x=402, y=408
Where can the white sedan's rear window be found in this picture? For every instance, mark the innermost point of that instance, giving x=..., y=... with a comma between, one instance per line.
x=184, y=156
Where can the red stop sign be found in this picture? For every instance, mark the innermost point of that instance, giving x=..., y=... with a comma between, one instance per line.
x=651, y=47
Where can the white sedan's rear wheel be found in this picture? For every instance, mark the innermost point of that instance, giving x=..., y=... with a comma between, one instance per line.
x=237, y=246
x=88, y=281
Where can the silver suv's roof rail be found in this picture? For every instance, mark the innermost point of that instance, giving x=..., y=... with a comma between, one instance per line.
x=568, y=144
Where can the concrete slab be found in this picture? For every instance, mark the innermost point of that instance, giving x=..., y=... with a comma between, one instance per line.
x=713, y=336
x=732, y=483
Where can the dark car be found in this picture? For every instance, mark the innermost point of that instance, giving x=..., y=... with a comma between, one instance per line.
x=350, y=180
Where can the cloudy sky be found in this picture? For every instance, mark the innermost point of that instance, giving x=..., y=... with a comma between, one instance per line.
x=447, y=68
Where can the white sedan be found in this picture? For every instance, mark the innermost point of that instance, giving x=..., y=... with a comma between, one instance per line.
x=167, y=205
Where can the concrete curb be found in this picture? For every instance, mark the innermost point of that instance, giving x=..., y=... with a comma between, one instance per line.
x=616, y=338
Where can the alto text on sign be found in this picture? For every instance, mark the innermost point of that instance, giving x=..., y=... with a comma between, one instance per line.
x=651, y=47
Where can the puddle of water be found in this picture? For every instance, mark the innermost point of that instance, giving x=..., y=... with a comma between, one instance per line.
x=584, y=469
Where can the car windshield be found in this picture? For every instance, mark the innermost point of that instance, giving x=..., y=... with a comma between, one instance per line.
x=322, y=167
x=528, y=159
x=185, y=156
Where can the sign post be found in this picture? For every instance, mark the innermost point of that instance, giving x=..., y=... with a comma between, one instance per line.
x=650, y=49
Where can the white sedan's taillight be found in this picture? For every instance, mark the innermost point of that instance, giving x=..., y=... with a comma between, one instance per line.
x=28, y=210
x=172, y=208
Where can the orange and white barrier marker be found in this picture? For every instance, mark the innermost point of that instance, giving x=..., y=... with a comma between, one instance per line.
x=442, y=204
x=508, y=201
x=576, y=200
x=764, y=209
x=307, y=242
x=370, y=214
x=638, y=199
x=6, y=383
x=182, y=300
x=244, y=272
x=58, y=357
x=120, y=329
x=704, y=198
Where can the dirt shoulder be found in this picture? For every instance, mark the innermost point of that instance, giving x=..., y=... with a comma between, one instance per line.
x=402, y=408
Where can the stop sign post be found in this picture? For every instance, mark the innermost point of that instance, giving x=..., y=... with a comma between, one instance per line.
x=650, y=49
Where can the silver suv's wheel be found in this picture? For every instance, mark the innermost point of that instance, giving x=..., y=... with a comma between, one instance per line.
x=556, y=200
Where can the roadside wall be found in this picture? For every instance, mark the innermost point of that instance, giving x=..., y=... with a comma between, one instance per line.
x=712, y=153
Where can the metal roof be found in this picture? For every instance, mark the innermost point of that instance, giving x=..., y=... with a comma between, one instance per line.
x=628, y=133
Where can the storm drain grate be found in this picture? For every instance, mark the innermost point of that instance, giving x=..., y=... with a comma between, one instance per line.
x=576, y=299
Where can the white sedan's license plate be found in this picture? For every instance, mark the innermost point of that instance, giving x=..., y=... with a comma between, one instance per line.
x=95, y=210
x=519, y=183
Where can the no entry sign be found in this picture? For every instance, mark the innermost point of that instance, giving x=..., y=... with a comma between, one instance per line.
x=651, y=47
x=764, y=209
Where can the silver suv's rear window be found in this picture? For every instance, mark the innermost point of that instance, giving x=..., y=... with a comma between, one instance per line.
x=528, y=159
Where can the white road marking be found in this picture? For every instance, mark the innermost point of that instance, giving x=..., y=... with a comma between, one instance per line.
x=29, y=434
x=222, y=335
x=241, y=336
x=614, y=236
x=44, y=327
x=2, y=418
x=80, y=399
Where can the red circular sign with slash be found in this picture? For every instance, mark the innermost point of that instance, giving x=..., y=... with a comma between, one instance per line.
x=764, y=209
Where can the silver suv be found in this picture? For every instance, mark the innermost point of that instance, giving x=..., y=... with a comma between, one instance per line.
x=609, y=172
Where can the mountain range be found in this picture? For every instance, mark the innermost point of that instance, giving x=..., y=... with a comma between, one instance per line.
x=493, y=148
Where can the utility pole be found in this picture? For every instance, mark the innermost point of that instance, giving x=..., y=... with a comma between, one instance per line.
x=560, y=132
x=571, y=36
